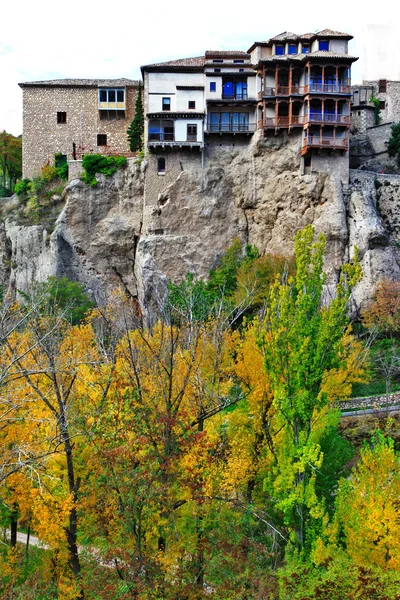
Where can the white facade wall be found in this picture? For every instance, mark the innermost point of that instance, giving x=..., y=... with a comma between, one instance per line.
x=340, y=46
x=162, y=85
x=181, y=129
x=183, y=97
x=218, y=81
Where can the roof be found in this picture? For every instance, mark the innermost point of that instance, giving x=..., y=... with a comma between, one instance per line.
x=122, y=82
x=326, y=54
x=193, y=62
x=331, y=33
x=239, y=53
x=329, y=54
x=286, y=35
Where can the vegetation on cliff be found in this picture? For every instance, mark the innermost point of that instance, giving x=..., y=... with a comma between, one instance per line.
x=200, y=457
x=10, y=162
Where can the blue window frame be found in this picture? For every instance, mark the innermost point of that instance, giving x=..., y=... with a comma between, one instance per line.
x=323, y=45
x=213, y=86
x=305, y=49
x=292, y=48
x=279, y=49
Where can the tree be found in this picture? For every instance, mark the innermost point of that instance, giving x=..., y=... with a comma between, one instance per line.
x=302, y=343
x=368, y=506
x=394, y=142
x=10, y=159
x=135, y=130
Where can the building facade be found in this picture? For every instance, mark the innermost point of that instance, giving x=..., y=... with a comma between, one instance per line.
x=64, y=119
x=294, y=83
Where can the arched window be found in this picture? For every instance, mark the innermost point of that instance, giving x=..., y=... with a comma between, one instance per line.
x=161, y=165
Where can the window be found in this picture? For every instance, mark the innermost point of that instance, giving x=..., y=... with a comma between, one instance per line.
x=166, y=103
x=217, y=60
x=217, y=70
x=111, y=96
x=161, y=165
x=292, y=48
x=382, y=105
x=382, y=86
x=192, y=133
x=323, y=45
x=213, y=86
x=191, y=104
x=237, y=61
x=101, y=139
x=359, y=113
x=305, y=49
x=279, y=49
x=61, y=117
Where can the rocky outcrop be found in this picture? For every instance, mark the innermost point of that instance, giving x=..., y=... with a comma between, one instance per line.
x=136, y=230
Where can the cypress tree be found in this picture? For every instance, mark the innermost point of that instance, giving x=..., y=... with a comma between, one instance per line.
x=136, y=128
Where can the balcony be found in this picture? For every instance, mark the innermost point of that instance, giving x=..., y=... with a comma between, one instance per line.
x=235, y=128
x=284, y=121
x=167, y=139
x=235, y=96
x=282, y=90
x=327, y=88
x=320, y=117
x=317, y=141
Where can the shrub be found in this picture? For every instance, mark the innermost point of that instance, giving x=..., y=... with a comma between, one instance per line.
x=97, y=163
x=394, y=142
x=22, y=187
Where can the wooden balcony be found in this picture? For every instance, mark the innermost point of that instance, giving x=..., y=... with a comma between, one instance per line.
x=282, y=90
x=235, y=128
x=327, y=88
x=329, y=119
x=329, y=143
x=286, y=121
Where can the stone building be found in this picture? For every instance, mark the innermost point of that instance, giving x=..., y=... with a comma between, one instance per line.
x=294, y=83
x=66, y=118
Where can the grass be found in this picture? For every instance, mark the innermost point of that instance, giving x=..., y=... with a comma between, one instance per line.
x=373, y=388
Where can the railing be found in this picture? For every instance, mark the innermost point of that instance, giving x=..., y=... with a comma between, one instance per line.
x=161, y=137
x=235, y=96
x=327, y=88
x=325, y=142
x=282, y=90
x=319, y=117
x=231, y=127
x=284, y=121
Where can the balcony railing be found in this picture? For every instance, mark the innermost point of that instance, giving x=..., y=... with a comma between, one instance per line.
x=319, y=117
x=285, y=121
x=316, y=141
x=161, y=136
x=235, y=96
x=231, y=127
x=282, y=90
x=327, y=88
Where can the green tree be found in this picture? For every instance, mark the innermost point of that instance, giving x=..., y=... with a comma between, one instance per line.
x=10, y=159
x=394, y=142
x=302, y=343
x=136, y=128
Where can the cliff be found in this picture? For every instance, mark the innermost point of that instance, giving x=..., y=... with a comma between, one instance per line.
x=127, y=232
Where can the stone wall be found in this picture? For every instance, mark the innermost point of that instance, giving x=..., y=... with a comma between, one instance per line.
x=43, y=137
x=370, y=402
x=391, y=112
x=362, y=117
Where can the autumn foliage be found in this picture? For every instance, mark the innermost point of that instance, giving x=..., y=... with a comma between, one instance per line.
x=193, y=458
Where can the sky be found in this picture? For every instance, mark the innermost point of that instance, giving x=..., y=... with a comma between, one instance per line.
x=85, y=39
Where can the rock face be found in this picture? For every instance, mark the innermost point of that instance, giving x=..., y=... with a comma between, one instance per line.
x=137, y=230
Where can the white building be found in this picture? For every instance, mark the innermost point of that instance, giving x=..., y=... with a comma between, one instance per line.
x=187, y=100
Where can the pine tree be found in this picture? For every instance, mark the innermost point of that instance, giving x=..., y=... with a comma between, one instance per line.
x=136, y=128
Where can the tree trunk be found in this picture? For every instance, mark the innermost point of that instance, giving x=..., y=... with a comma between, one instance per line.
x=14, y=525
